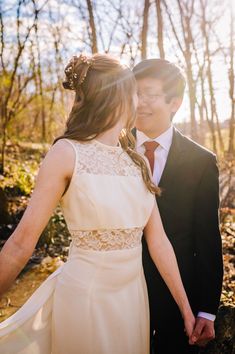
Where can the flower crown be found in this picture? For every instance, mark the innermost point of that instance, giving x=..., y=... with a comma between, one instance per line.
x=73, y=79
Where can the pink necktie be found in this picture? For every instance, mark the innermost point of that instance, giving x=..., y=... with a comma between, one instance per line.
x=150, y=147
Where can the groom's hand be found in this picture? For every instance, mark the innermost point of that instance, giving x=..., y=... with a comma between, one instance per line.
x=203, y=332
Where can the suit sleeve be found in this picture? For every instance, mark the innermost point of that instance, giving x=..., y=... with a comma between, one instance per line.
x=208, y=246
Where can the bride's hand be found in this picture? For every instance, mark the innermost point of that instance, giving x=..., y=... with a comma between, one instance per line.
x=189, y=323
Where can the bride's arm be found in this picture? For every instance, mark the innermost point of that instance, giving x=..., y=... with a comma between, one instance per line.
x=54, y=175
x=163, y=255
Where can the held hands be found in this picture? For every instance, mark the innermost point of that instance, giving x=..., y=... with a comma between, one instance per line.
x=203, y=332
x=189, y=323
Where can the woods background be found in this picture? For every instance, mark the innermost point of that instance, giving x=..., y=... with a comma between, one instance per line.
x=37, y=38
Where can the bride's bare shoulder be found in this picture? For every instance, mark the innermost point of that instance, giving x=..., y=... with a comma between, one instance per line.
x=60, y=158
x=63, y=146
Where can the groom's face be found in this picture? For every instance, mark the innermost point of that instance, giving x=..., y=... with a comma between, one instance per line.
x=154, y=112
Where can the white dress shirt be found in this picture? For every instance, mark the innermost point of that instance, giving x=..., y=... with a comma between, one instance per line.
x=160, y=156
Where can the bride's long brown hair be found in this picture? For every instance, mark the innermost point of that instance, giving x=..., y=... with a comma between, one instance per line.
x=104, y=94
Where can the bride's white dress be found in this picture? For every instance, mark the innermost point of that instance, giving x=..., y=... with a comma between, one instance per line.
x=96, y=303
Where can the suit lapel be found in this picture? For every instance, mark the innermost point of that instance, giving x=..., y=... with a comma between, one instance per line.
x=174, y=160
x=134, y=132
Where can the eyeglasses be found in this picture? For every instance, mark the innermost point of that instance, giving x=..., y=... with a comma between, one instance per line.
x=149, y=97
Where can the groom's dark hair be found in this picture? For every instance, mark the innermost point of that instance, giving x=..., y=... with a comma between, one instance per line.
x=168, y=73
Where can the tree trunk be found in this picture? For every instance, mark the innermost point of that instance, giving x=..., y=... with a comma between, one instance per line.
x=185, y=47
x=160, y=29
x=213, y=111
x=144, y=32
x=94, y=47
x=2, y=162
x=231, y=91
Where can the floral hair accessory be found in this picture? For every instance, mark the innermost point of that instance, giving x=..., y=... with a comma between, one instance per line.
x=73, y=78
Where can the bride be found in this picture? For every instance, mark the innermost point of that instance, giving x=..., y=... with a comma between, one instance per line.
x=97, y=301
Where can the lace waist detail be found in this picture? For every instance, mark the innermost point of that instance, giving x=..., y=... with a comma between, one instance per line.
x=107, y=240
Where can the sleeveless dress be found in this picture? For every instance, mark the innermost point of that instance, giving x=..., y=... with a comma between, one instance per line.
x=95, y=303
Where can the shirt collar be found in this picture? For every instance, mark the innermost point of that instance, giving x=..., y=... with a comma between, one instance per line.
x=164, y=140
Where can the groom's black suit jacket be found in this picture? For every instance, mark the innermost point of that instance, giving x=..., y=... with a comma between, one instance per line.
x=189, y=211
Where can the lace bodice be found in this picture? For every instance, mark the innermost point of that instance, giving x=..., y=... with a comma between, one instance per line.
x=105, y=160
x=107, y=203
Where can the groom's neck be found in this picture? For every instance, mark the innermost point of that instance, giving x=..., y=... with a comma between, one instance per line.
x=152, y=134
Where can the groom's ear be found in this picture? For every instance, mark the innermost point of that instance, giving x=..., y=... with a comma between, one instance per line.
x=175, y=104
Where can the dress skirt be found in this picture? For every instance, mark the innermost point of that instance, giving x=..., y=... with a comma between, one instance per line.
x=96, y=303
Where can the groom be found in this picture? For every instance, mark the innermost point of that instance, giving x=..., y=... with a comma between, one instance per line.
x=188, y=176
